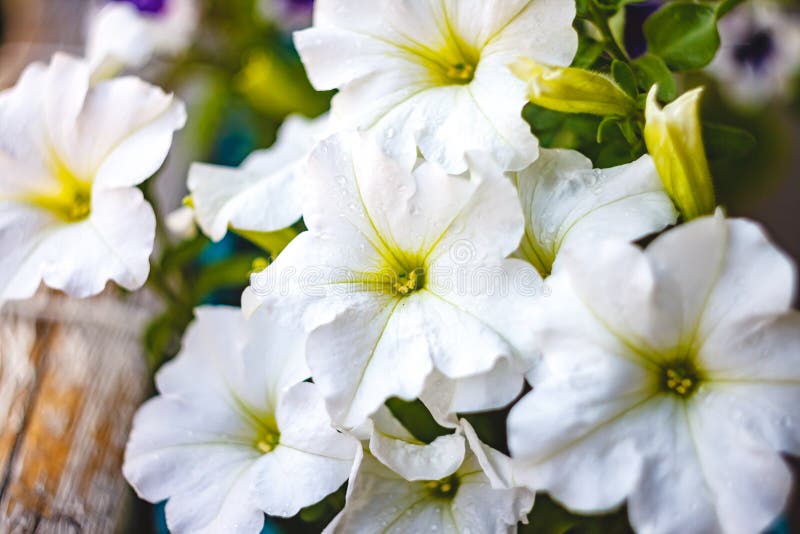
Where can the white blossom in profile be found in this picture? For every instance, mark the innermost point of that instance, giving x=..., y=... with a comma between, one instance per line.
x=127, y=34
x=70, y=158
x=568, y=204
x=435, y=74
x=670, y=378
x=264, y=193
x=759, y=56
x=235, y=432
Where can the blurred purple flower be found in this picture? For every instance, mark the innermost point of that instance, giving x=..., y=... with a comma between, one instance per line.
x=759, y=54
x=288, y=14
x=147, y=6
x=635, y=15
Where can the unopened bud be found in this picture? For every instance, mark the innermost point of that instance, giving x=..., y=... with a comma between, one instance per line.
x=572, y=90
x=675, y=141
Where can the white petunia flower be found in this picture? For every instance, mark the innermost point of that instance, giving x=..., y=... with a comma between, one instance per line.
x=671, y=377
x=401, y=272
x=568, y=204
x=70, y=156
x=435, y=73
x=264, y=194
x=127, y=33
x=235, y=432
x=465, y=491
x=759, y=56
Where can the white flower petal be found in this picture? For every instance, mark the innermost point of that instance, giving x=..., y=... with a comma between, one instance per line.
x=728, y=273
x=199, y=460
x=311, y=461
x=757, y=379
x=567, y=204
x=22, y=230
x=446, y=397
x=480, y=507
x=691, y=484
x=393, y=79
x=118, y=37
x=264, y=194
x=410, y=457
x=371, y=351
x=581, y=417
x=617, y=283
x=114, y=243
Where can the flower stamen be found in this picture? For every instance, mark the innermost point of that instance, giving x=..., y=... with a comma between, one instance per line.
x=409, y=282
x=680, y=378
x=445, y=488
x=268, y=442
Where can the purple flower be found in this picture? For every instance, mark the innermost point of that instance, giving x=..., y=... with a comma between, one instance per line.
x=635, y=15
x=153, y=7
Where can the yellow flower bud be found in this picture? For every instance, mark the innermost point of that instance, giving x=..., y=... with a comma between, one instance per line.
x=572, y=90
x=674, y=139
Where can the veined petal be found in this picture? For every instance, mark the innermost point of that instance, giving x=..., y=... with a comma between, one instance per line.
x=199, y=460
x=726, y=272
x=567, y=204
x=436, y=72
x=357, y=369
x=311, y=461
x=113, y=244
x=583, y=417
x=264, y=194
x=411, y=458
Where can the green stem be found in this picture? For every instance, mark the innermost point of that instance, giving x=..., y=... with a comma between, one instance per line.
x=612, y=47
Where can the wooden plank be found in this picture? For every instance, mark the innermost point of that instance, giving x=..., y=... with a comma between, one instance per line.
x=72, y=374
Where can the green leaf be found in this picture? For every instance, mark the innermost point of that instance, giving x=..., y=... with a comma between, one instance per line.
x=624, y=77
x=609, y=126
x=417, y=419
x=683, y=34
x=651, y=70
x=727, y=142
x=232, y=272
x=589, y=50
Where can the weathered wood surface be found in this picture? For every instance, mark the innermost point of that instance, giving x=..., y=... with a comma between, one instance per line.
x=72, y=374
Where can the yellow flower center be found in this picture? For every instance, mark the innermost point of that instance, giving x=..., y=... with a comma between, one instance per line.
x=268, y=441
x=461, y=72
x=680, y=378
x=409, y=282
x=445, y=488
x=71, y=202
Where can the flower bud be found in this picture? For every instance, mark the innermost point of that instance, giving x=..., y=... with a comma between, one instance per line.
x=572, y=90
x=674, y=139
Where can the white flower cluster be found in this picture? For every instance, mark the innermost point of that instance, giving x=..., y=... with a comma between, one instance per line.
x=447, y=259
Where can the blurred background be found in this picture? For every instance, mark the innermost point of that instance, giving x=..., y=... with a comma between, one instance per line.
x=233, y=63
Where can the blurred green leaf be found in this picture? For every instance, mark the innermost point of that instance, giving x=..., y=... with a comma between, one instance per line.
x=727, y=142
x=650, y=70
x=232, y=272
x=272, y=242
x=417, y=419
x=683, y=34
x=548, y=517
